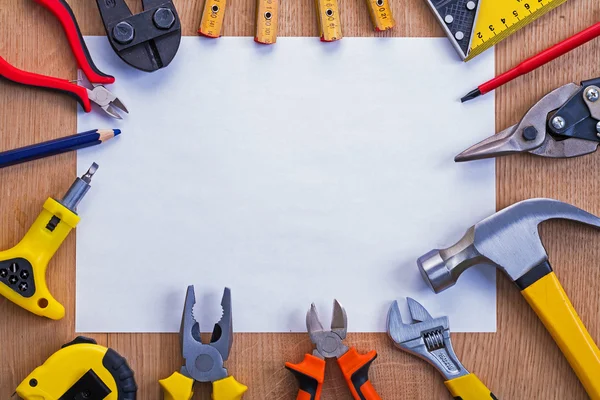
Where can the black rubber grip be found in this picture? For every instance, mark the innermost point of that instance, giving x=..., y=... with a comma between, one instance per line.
x=306, y=383
x=533, y=275
x=361, y=376
x=122, y=373
x=491, y=396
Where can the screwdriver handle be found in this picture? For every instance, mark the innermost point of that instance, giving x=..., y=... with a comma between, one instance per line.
x=355, y=368
x=469, y=387
x=177, y=387
x=310, y=374
x=552, y=305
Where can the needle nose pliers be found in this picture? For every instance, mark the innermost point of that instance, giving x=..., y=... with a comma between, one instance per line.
x=429, y=339
x=204, y=362
x=310, y=373
x=85, y=96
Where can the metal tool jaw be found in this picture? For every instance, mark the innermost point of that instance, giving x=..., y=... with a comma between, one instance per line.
x=100, y=95
x=508, y=240
x=147, y=41
x=329, y=343
x=204, y=362
x=426, y=338
x=563, y=124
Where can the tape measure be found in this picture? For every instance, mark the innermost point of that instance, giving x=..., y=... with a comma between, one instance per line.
x=381, y=14
x=474, y=26
x=81, y=369
x=212, y=18
x=330, y=26
x=267, y=12
x=498, y=19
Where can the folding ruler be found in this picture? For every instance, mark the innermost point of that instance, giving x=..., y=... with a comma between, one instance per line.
x=474, y=26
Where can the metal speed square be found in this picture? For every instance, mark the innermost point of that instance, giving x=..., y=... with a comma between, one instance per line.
x=457, y=18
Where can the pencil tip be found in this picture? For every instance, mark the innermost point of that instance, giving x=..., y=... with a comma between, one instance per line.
x=117, y=132
x=471, y=95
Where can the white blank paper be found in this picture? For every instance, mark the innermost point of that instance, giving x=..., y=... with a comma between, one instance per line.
x=293, y=173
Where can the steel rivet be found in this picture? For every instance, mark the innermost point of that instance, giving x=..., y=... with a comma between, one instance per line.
x=592, y=94
x=558, y=122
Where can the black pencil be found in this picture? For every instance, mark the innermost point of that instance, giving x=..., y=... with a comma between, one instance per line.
x=57, y=146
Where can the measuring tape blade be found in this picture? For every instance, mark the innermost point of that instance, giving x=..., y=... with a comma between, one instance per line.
x=330, y=27
x=499, y=19
x=381, y=14
x=212, y=18
x=267, y=12
x=458, y=18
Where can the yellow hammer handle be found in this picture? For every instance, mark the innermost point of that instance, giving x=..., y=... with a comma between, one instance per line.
x=469, y=387
x=228, y=389
x=177, y=387
x=550, y=302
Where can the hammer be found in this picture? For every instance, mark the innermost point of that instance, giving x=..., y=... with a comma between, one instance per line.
x=510, y=241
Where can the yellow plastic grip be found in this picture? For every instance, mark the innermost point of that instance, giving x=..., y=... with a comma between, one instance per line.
x=228, y=389
x=177, y=387
x=37, y=247
x=468, y=387
x=550, y=302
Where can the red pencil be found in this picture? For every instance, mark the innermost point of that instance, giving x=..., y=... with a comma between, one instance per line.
x=536, y=61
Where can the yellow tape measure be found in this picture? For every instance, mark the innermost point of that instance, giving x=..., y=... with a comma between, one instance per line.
x=267, y=12
x=212, y=18
x=381, y=15
x=330, y=26
x=498, y=19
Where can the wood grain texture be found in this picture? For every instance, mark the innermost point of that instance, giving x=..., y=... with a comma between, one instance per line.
x=520, y=361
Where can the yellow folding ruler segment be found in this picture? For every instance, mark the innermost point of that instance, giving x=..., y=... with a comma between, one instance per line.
x=498, y=19
x=212, y=18
x=267, y=12
x=381, y=14
x=330, y=26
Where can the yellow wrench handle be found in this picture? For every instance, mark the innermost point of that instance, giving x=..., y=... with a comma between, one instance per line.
x=469, y=387
x=228, y=389
x=177, y=387
x=550, y=302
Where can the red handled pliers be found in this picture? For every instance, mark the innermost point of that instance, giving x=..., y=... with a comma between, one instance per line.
x=97, y=93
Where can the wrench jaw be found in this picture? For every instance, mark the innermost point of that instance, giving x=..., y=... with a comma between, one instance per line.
x=428, y=340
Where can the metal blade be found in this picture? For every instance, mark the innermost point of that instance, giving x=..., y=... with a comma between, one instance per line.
x=394, y=323
x=497, y=145
x=222, y=336
x=110, y=110
x=119, y=104
x=339, y=320
x=417, y=311
x=313, y=323
x=189, y=331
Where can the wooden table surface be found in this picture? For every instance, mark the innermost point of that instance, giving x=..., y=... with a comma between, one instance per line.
x=520, y=361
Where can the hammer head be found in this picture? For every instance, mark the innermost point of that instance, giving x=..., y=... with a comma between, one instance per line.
x=508, y=240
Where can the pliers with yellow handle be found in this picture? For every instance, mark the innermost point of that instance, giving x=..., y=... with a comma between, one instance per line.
x=23, y=267
x=429, y=339
x=310, y=373
x=204, y=362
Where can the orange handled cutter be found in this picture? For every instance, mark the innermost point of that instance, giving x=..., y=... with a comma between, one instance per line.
x=310, y=373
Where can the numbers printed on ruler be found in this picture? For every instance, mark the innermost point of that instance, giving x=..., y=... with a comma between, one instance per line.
x=212, y=18
x=498, y=19
x=381, y=14
x=328, y=14
x=266, y=21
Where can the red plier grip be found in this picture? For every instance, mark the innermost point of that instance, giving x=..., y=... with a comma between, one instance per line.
x=355, y=368
x=65, y=15
x=310, y=374
x=30, y=79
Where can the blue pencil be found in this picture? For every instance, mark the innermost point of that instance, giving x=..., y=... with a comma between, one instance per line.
x=57, y=146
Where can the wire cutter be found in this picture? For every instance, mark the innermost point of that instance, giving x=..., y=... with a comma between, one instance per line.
x=204, y=362
x=96, y=92
x=310, y=373
x=565, y=123
x=429, y=339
